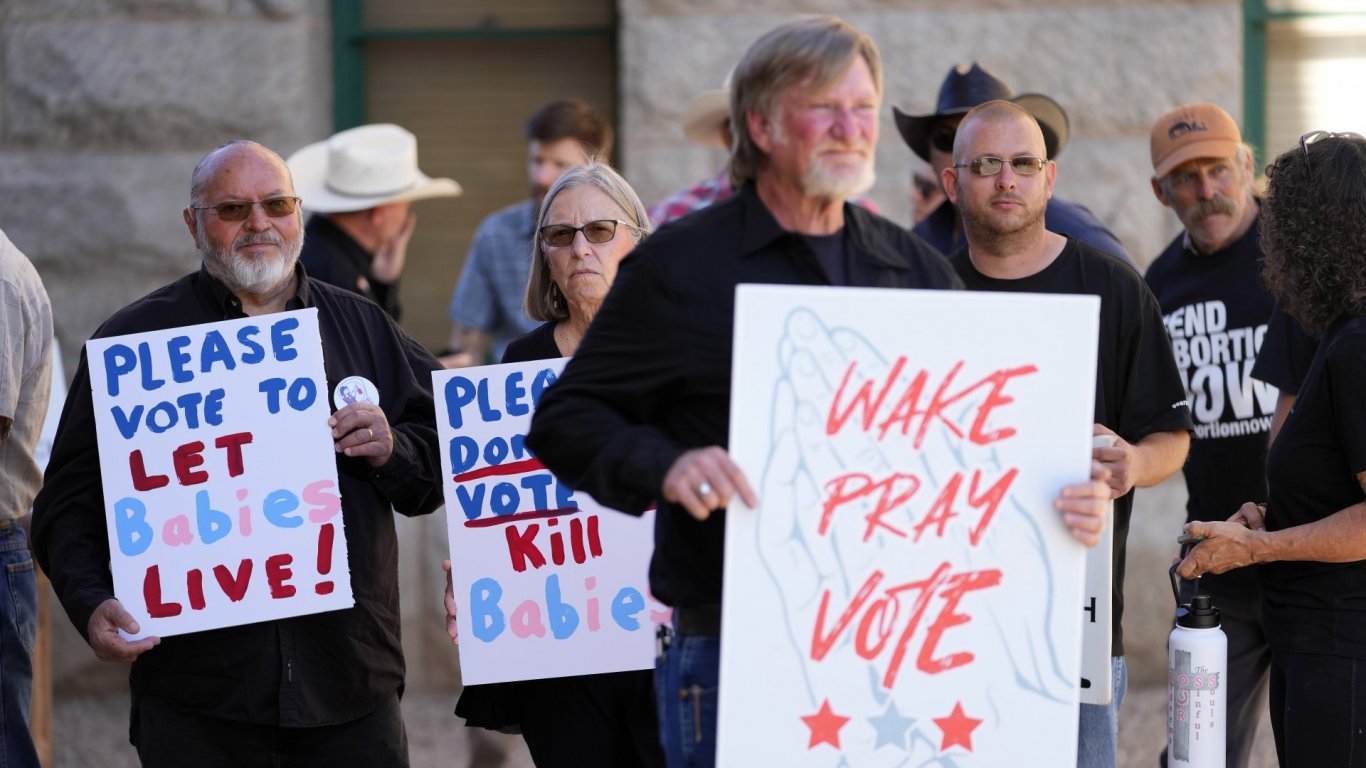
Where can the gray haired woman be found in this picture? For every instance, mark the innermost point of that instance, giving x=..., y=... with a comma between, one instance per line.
x=589, y=221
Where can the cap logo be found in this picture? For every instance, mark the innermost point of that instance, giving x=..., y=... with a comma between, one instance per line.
x=1182, y=128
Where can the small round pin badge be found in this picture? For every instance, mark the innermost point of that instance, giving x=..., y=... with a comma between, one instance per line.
x=354, y=389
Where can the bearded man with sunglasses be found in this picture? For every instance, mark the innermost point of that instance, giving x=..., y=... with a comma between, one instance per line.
x=1000, y=181
x=1217, y=310
x=320, y=689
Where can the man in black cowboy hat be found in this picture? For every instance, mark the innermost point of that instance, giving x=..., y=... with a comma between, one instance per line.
x=931, y=138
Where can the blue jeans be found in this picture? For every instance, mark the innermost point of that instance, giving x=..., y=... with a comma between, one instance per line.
x=18, y=631
x=685, y=687
x=1098, y=735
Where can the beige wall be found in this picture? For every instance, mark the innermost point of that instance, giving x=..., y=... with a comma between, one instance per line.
x=1113, y=66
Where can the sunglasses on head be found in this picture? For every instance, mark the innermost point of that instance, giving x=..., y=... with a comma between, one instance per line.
x=990, y=166
x=1313, y=136
x=601, y=231
x=239, y=210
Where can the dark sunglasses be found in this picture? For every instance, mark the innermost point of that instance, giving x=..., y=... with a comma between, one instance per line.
x=926, y=187
x=1313, y=136
x=601, y=231
x=239, y=210
x=942, y=138
x=990, y=166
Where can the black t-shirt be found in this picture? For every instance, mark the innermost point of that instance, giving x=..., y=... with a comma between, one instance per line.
x=830, y=253
x=1286, y=354
x=1216, y=308
x=536, y=344
x=1138, y=390
x=1320, y=607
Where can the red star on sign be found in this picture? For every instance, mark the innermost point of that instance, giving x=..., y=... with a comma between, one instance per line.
x=957, y=728
x=825, y=726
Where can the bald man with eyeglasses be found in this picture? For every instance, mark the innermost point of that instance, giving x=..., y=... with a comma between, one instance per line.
x=1000, y=181
x=319, y=689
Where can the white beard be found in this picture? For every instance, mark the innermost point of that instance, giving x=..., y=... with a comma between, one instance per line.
x=252, y=276
x=842, y=184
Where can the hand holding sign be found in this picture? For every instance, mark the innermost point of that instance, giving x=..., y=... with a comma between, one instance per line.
x=103, y=633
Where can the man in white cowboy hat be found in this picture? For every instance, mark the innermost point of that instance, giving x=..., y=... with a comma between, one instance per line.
x=930, y=137
x=360, y=184
x=486, y=309
x=706, y=122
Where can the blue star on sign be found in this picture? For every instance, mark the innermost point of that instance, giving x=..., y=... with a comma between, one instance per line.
x=891, y=727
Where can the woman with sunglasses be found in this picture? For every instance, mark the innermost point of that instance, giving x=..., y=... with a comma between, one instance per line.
x=1309, y=540
x=589, y=221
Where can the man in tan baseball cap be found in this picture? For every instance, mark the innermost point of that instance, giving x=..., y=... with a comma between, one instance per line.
x=1216, y=310
x=360, y=184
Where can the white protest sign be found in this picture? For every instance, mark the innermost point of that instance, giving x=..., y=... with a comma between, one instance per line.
x=548, y=582
x=1097, y=685
x=906, y=593
x=220, y=479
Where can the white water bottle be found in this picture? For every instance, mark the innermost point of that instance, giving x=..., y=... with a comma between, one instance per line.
x=1197, y=667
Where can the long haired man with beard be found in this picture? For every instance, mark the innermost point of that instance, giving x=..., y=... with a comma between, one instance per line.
x=1001, y=181
x=641, y=413
x=320, y=689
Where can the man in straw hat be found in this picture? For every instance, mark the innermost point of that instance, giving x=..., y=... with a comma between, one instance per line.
x=1216, y=306
x=317, y=689
x=930, y=137
x=360, y=184
x=707, y=123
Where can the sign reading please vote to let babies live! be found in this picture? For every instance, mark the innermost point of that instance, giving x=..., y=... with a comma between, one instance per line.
x=220, y=479
x=548, y=583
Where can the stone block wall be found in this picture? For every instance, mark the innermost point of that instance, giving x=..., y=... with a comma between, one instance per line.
x=1115, y=67
x=104, y=108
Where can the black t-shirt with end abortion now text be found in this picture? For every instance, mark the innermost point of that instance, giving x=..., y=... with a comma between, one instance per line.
x=1138, y=389
x=1216, y=309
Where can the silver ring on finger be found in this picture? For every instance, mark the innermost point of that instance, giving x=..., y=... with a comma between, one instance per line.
x=703, y=489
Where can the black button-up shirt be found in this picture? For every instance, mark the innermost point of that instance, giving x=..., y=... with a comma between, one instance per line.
x=311, y=670
x=332, y=256
x=652, y=377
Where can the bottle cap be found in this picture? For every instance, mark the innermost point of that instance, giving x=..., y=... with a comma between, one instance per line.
x=1200, y=615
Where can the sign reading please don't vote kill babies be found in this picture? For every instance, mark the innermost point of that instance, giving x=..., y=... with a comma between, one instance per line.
x=548, y=583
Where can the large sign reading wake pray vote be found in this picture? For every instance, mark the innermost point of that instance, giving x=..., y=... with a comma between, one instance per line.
x=220, y=478
x=548, y=583
x=906, y=593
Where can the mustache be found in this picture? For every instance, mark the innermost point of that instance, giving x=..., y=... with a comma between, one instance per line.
x=1216, y=204
x=258, y=238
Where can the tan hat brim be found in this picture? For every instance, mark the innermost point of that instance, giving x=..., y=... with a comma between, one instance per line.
x=705, y=119
x=308, y=166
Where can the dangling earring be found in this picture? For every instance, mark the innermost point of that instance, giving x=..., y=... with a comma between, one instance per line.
x=556, y=298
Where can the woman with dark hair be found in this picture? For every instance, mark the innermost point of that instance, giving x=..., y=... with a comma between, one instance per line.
x=589, y=221
x=1309, y=539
